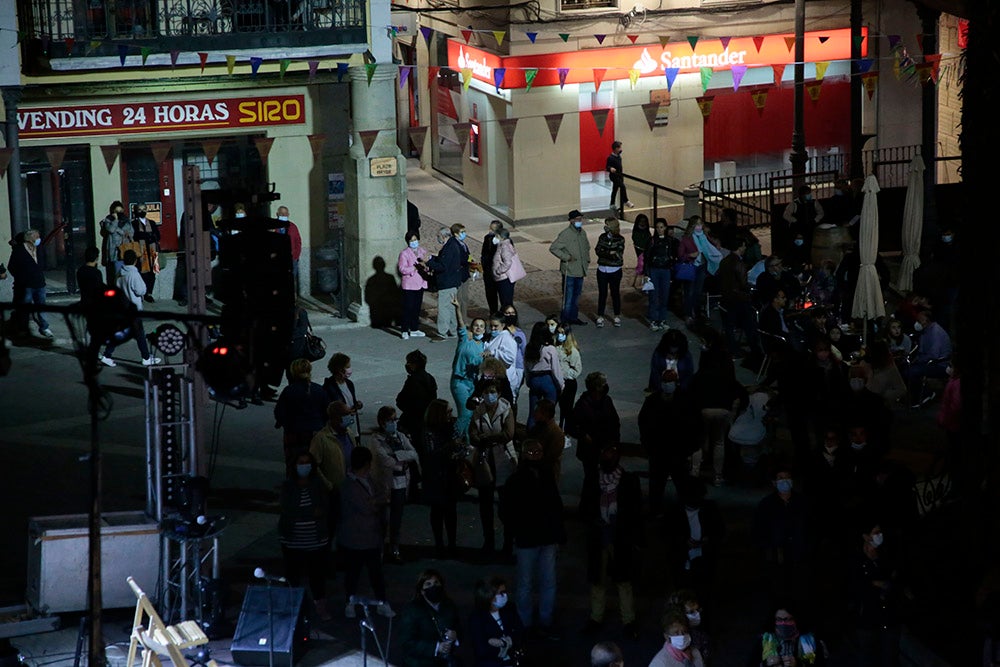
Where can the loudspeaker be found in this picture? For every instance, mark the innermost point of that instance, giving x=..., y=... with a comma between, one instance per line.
x=272, y=618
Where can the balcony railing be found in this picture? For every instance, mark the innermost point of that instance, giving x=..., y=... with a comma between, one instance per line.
x=98, y=27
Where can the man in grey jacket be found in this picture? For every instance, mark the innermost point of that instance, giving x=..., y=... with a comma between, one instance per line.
x=573, y=250
x=132, y=285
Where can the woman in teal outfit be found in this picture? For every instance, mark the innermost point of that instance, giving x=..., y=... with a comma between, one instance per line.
x=465, y=368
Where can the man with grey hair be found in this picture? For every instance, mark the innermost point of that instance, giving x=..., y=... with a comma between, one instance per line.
x=29, y=280
x=606, y=654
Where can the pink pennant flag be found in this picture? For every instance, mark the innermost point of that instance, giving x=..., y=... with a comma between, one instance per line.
x=173, y=58
x=313, y=67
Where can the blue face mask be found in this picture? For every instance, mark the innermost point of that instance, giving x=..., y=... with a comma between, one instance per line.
x=799, y=242
x=477, y=336
x=808, y=197
x=283, y=218
x=241, y=215
x=491, y=398
x=578, y=224
x=461, y=236
x=668, y=387
x=561, y=338
x=784, y=485
x=390, y=427
x=414, y=244
x=37, y=242
x=303, y=469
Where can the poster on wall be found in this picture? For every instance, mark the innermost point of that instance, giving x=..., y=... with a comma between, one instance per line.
x=335, y=196
x=153, y=212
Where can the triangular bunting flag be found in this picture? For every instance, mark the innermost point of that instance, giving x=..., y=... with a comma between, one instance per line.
x=693, y=41
x=600, y=119
x=161, y=149
x=210, y=147
x=370, y=71
x=466, y=77
x=341, y=70
x=649, y=110
x=600, y=38
x=869, y=79
x=417, y=136
x=706, y=77
x=789, y=43
x=263, y=145
x=144, y=51
x=91, y=47
x=316, y=142
x=857, y=41
x=122, y=53
x=864, y=65
x=705, y=105
x=895, y=42
x=529, y=78
x=632, y=38
x=563, y=73
x=758, y=41
x=508, y=126
x=779, y=73
x=935, y=61
x=821, y=70
x=920, y=42
x=822, y=39
x=633, y=76
x=283, y=67
x=553, y=120
x=671, y=74
x=498, y=74
x=255, y=62
x=432, y=75
x=664, y=40
x=56, y=155
x=5, y=155
x=368, y=138
x=923, y=73
x=314, y=67
x=738, y=72
x=426, y=32
x=462, y=134
x=759, y=98
x=466, y=35
x=598, y=77
x=110, y=154
x=725, y=42
x=565, y=36
x=230, y=64
x=499, y=35
x=173, y=57
x=70, y=41
x=812, y=88
x=404, y=74
x=531, y=36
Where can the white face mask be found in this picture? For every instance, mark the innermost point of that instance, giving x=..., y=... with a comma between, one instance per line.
x=37, y=242
x=917, y=326
x=500, y=600
x=496, y=240
x=552, y=328
x=857, y=384
x=241, y=215
x=799, y=242
x=680, y=643
x=283, y=218
x=877, y=539
x=694, y=618
x=858, y=446
x=561, y=338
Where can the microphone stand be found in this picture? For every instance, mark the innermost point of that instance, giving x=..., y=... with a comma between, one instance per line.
x=270, y=626
x=366, y=624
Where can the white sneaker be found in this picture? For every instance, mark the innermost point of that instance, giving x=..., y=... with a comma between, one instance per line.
x=152, y=361
x=350, y=611
x=108, y=361
x=600, y=322
x=417, y=334
x=47, y=333
x=385, y=610
x=406, y=335
x=629, y=204
x=618, y=321
x=655, y=326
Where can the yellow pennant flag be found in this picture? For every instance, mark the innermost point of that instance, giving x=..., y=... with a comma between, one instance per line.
x=499, y=35
x=230, y=64
x=633, y=76
x=466, y=77
x=821, y=70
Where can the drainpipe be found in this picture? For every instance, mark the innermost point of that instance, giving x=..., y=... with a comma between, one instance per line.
x=15, y=189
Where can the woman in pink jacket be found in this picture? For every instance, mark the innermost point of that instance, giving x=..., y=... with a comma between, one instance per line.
x=410, y=265
x=507, y=267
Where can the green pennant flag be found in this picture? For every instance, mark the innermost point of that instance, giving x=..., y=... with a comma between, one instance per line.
x=529, y=78
x=706, y=76
x=283, y=66
x=145, y=51
x=858, y=40
x=565, y=36
x=370, y=71
x=693, y=41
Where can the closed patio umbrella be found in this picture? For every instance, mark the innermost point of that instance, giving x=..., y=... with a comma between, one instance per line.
x=913, y=222
x=868, y=302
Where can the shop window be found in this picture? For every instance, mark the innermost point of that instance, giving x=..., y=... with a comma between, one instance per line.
x=208, y=172
x=474, y=141
x=578, y=5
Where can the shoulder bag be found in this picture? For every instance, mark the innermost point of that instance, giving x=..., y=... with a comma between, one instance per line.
x=315, y=348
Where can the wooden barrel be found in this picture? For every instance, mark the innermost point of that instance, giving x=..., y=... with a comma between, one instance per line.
x=828, y=244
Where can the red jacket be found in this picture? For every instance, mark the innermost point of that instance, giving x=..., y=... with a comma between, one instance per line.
x=950, y=415
x=296, y=239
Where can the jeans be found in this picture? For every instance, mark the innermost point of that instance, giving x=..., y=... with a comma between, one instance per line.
x=598, y=592
x=309, y=563
x=444, y=518
x=536, y=563
x=490, y=285
x=36, y=295
x=412, y=298
x=505, y=292
x=612, y=281
x=113, y=269
x=137, y=332
x=659, y=298
x=715, y=422
x=572, y=287
x=540, y=385
x=397, y=500
x=461, y=390
x=354, y=560
x=693, y=292
x=567, y=399
x=740, y=315
x=446, y=311
x=919, y=370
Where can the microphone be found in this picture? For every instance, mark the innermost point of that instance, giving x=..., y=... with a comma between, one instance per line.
x=364, y=602
x=261, y=574
x=201, y=520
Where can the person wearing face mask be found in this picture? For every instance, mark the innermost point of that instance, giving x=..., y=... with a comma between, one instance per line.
x=875, y=594
x=116, y=229
x=543, y=371
x=465, y=365
x=495, y=629
x=429, y=631
x=933, y=350
x=29, y=281
x=512, y=324
x=785, y=644
x=690, y=252
x=571, y=364
x=573, y=250
x=536, y=523
x=677, y=651
x=611, y=509
x=863, y=406
x=491, y=434
x=694, y=530
x=610, y=251
x=442, y=454
x=507, y=267
x=339, y=387
x=802, y=215
x=303, y=528
x=300, y=409
x=661, y=255
x=668, y=432
x=828, y=474
x=613, y=167
x=595, y=424
x=147, y=235
x=671, y=352
x=292, y=230
x=412, y=267
x=687, y=602
x=331, y=448
x=776, y=278
x=451, y=270
x=783, y=531
x=490, y=243
x=419, y=389
x=492, y=371
x=502, y=346
x=548, y=432
x=397, y=458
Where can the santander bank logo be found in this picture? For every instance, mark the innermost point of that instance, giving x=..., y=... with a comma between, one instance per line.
x=645, y=64
x=479, y=67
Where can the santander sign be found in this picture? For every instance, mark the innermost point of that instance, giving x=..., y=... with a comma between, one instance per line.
x=647, y=65
x=480, y=68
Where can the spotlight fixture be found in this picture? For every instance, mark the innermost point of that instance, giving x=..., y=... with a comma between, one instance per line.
x=168, y=339
x=225, y=369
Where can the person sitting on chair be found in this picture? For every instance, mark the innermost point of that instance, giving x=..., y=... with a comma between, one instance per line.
x=934, y=346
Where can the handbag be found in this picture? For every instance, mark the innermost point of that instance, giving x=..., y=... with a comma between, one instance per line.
x=685, y=271
x=516, y=271
x=427, y=274
x=481, y=467
x=465, y=475
x=315, y=348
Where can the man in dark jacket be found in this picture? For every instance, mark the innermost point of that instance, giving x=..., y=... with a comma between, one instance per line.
x=668, y=432
x=613, y=167
x=29, y=280
x=595, y=424
x=611, y=508
x=738, y=312
x=419, y=389
x=536, y=521
x=451, y=269
x=694, y=529
x=486, y=258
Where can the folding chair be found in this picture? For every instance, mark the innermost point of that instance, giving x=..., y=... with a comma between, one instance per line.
x=158, y=640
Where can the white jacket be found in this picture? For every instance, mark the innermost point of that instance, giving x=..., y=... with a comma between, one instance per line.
x=131, y=283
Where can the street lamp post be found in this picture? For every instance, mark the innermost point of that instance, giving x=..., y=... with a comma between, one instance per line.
x=798, y=156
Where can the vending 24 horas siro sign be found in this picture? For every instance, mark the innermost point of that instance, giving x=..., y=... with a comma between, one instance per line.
x=96, y=119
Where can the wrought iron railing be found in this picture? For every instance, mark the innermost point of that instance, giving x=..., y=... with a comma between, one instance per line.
x=100, y=25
